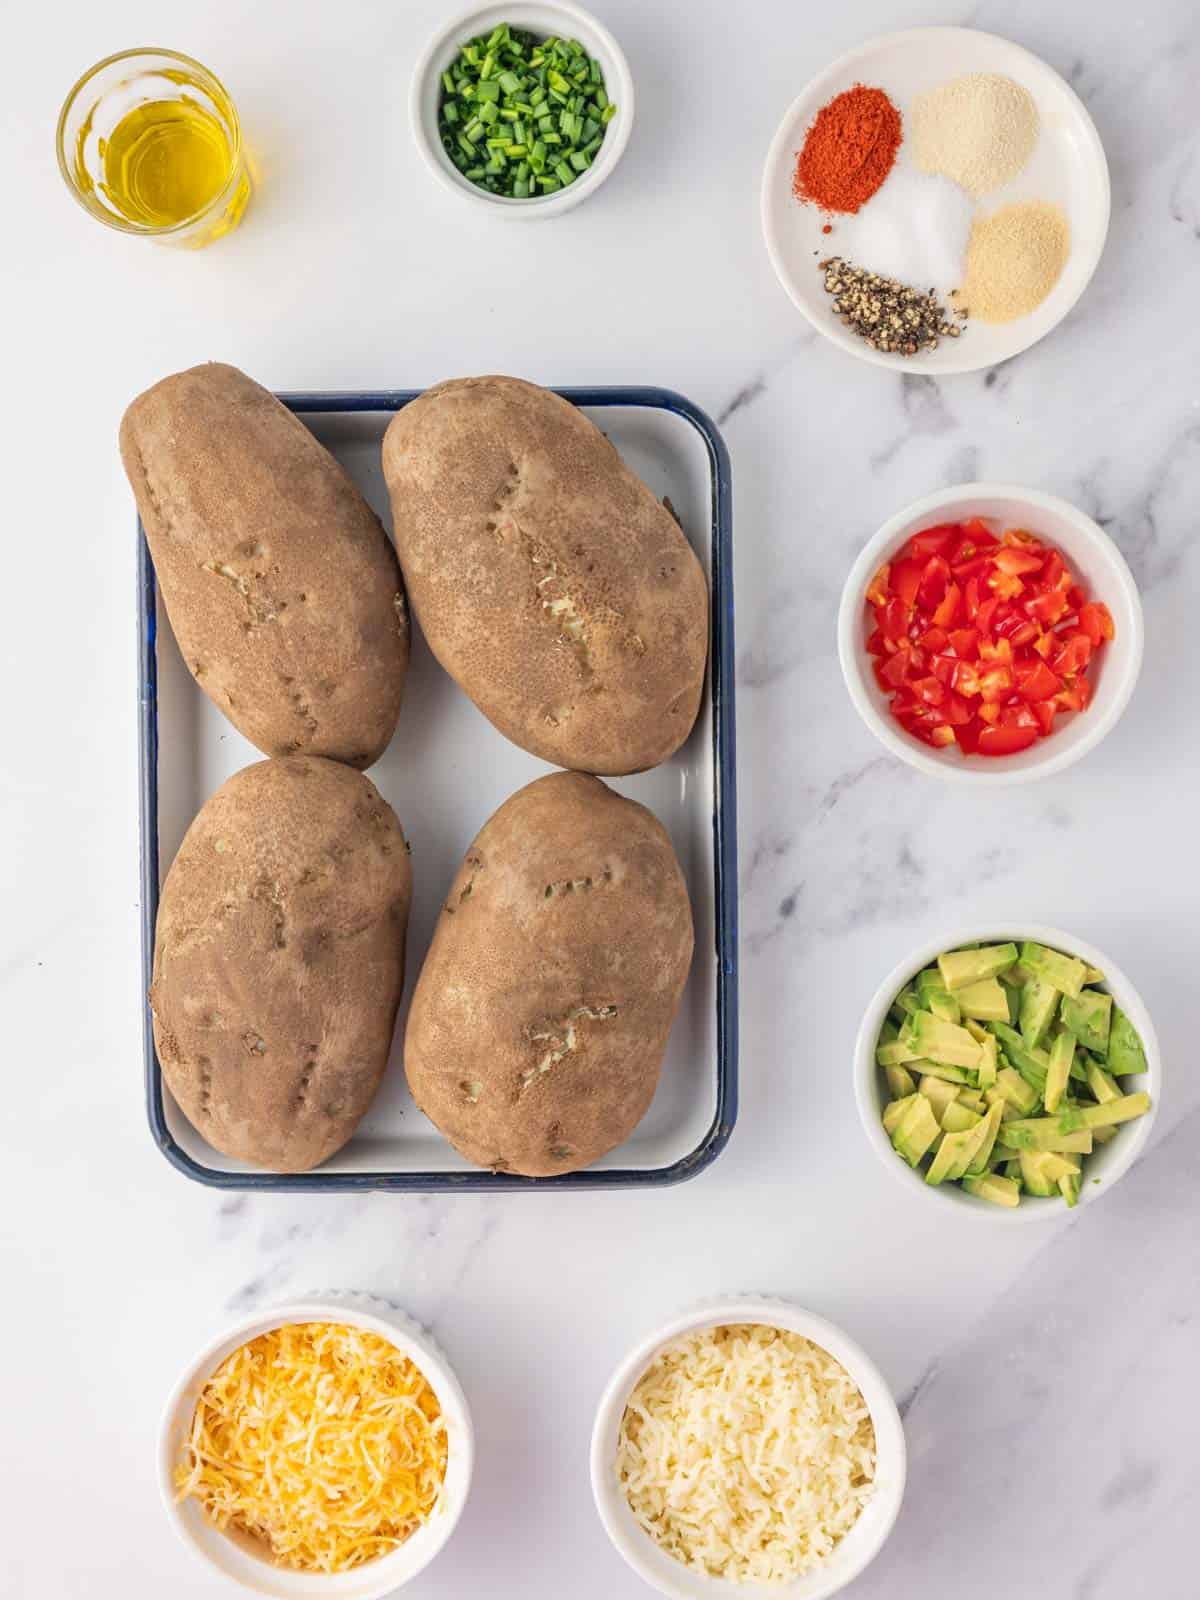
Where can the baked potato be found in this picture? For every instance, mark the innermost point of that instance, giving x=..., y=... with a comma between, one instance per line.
x=282, y=588
x=551, y=585
x=279, y=960
x=541, y=1014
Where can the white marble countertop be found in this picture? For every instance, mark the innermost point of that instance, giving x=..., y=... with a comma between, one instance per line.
x=1049, y=1374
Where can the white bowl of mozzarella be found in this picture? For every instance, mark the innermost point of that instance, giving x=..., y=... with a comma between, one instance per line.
x=748, y=1445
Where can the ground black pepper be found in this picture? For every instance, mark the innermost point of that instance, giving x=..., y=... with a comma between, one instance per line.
x=890, y=316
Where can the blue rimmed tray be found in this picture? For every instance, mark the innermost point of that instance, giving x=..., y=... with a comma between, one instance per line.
x=463, y=769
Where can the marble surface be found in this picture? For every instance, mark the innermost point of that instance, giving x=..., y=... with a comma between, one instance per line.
x=1049, y=1375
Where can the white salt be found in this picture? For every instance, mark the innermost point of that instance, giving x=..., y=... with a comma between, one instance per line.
x=914, y=229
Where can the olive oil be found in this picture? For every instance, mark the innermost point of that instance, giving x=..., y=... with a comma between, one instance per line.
x=165, y=162
x=149, y=141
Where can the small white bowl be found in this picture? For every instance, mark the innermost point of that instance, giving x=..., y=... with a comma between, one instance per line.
x=550, y=17
x=1107, y=1163
x=1097, y=561
x=234, y=1559
x=860, y=1546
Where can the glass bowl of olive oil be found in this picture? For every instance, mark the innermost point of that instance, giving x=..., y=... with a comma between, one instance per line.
x=149, y=143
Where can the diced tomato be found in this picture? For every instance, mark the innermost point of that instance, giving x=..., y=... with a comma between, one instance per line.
x=1006, y=740
x=1017, y=562
x=1007, y=586
x=1074, y=656
x=878, y=592
x=1021, y=538
x=997, y=683
x=893, y=620
x=933, y=541
x=1001, y=651
x=948, y=612
x=1047, y=608
x=1037, y=682
x=981, y=642
x=894, y=669
x=985, y=613
x=965, y=679
x=934, y=580
x=1096, y=621
x=905, y=580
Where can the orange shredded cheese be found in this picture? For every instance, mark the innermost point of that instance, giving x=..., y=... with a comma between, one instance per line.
x=322, y=1441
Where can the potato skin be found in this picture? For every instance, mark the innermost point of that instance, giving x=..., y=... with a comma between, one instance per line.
x=281, y=586
x=550, y=583
x=541, y=1015
x=279, y=960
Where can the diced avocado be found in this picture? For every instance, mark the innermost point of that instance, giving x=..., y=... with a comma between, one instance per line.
x=1062, y=1056
x=1094, y=975
x=957, y=1118
x=1125, y=1108
x=916, y=1131
x=939, y=1093
x=900, y=1082
x=1044, y=1133
x=1068, y=1186
x=1101, y=1084
x=961, y=967
x=955, y=1153
x=972, y=1099
x=1103, y=1135
x=998, y=1158
x=1125, y=1052
x=941, y=1041
x=1030, y=1063
x=1012, y=1170
x=904, y=1004
x=894, y=1113
x=1035, y=1179
x=1000, y=1191
x=1056, y=1164
x=985, y=1001
x=895, y=1053
x=1089, y=1016
x=934, y=996
x=1019, y=1094
x=1015, y=976
x=982, y=1156
x=989, y=1066
x=956, y=1075
x=1039, y=1002
x=1051, y=966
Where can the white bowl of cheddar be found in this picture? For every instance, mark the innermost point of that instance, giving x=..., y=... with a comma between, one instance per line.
x=355, y=1407
x=749, y=1448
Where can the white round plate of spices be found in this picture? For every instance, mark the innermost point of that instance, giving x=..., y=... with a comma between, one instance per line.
x=936, y=200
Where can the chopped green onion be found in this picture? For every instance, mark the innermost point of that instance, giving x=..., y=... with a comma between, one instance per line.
x=522, y=117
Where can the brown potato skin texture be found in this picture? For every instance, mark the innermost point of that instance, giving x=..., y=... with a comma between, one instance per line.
x=304, y=642
x=282, y=920
x=506, y=499
x=509, y=963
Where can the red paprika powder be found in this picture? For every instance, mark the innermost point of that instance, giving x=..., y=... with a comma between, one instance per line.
x=848, y=151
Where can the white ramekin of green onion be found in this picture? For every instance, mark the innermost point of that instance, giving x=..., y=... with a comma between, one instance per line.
x=523, y=108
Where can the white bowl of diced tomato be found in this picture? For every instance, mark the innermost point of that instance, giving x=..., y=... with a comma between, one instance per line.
x=990, y=633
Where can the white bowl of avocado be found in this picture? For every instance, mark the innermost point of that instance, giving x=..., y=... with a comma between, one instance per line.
x=1094, y=561
x=1012, y=1070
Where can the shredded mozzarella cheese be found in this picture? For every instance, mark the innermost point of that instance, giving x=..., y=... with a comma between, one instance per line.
x=746, y=1452
x=323, y=1441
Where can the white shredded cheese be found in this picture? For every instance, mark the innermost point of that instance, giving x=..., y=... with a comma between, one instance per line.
x=746, y=1452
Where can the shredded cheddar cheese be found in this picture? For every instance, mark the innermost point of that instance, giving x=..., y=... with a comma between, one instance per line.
x=746, y=1452
x=320, y=1440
